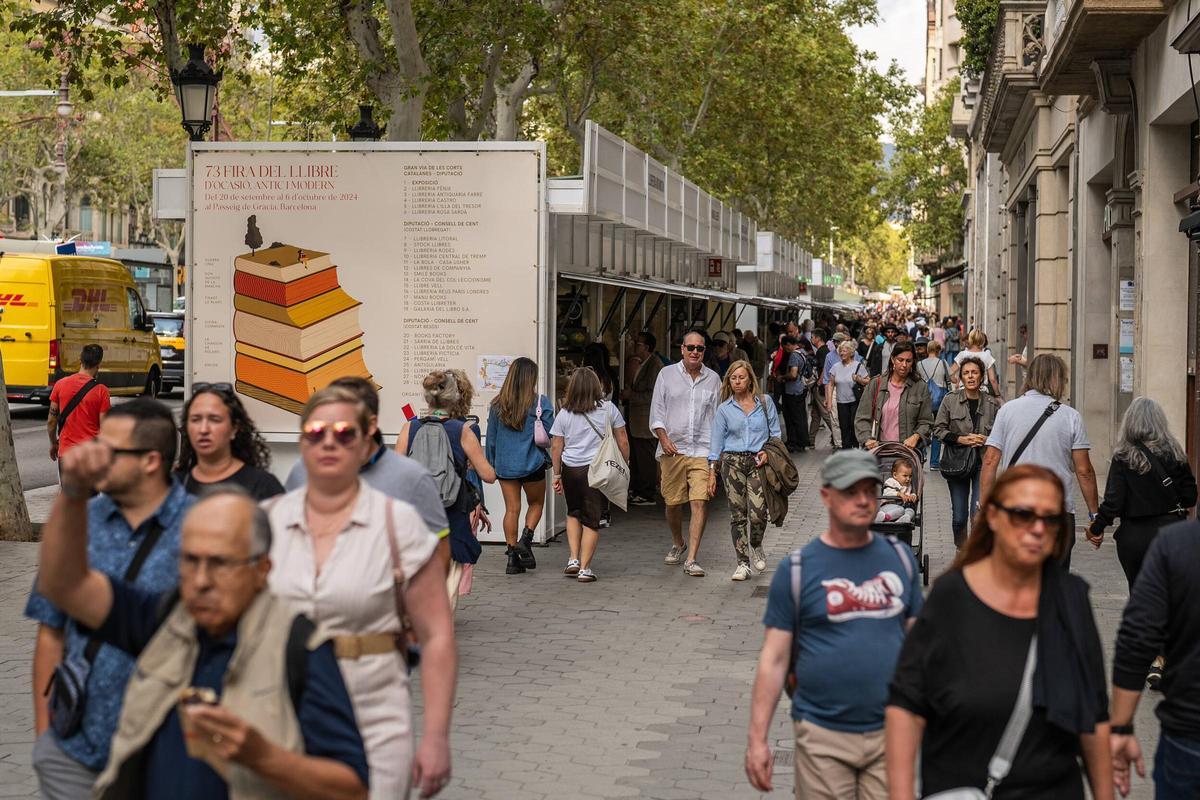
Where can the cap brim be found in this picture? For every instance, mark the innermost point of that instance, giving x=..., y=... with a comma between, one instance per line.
x=844, y=482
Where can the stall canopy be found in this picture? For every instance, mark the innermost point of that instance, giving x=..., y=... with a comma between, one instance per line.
x=697, y=293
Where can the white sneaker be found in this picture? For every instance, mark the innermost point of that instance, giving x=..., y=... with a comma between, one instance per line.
x=694, y=569
x=675, y=554
x=741, y=573
x=759, y=558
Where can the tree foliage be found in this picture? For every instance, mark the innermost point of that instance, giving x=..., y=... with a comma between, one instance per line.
x=927, y=176
x=978, y=19
x=880, y=256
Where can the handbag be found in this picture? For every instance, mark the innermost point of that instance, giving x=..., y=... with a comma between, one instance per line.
x=540, y=437
x=1166, y=481
x=406, y=639
x=1001, y=761
x=608, y=473
x=67, y=690
x=959, y=460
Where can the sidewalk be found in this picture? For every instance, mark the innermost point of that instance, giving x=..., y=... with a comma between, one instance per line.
x=637, y=685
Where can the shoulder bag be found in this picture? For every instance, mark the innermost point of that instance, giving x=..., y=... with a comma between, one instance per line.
x=540, y=437
x=959, y=460
x=608, y=471
x=67, y=690
x=1037, y=426
x=1002, y=760
x=1161, y=475
x=74, y=402
x=406, y=639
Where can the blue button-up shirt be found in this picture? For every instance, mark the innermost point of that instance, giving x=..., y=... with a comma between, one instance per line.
x=738, y=432
x=111, y=545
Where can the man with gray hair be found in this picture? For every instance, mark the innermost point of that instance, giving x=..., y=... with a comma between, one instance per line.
x=234, y=693
x=1038, y=428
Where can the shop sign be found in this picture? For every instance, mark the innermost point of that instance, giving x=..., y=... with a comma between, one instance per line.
x=714, y=268
x=101, y=249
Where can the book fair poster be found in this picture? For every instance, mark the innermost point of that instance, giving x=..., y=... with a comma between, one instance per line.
x=315, y=264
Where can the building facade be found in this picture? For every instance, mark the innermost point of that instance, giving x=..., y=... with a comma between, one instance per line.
x=1084, y=160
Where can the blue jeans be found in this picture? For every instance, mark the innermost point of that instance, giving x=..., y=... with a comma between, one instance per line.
x=935, y=452
x=1176, y=768
x=964, y=496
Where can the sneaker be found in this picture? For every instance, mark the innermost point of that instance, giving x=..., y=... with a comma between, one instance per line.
x=638, y=500
x=586, y=576
x=875, y=598
x=605, y=522
x=572, y=567
x=675, y=554
x=694, y=569
x=741, y=573
x=759, y=558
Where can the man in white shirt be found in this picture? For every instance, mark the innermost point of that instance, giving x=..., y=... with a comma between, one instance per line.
x=681, y=416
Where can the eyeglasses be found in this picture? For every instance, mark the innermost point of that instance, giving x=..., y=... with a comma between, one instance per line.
x=344, y=433
x=124, y=451
x=1026, y=517
x=694, y=348
x=218, y=567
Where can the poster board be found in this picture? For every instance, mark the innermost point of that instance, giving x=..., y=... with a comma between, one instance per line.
x=392, y=259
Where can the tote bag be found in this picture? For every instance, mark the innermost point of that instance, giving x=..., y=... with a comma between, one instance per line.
x=608, y=473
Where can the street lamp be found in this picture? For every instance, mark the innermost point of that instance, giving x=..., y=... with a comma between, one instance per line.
x=195, y=86
x=365, y=130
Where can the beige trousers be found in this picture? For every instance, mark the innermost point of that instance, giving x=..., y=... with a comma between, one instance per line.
x=832, y=765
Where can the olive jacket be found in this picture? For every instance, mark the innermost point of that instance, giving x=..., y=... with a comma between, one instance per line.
x=954, y=417
x=916, y=410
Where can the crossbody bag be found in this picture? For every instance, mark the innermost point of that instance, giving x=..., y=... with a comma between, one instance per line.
x=74, y=403
x=67, y=690
x=1037, y=426
x=1167, y=482
x=1002, y=760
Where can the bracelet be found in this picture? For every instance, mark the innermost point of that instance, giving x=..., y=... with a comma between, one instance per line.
x=1122, y=730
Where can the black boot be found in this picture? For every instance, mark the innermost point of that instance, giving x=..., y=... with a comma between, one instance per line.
x=514, y=562
x=524, y=549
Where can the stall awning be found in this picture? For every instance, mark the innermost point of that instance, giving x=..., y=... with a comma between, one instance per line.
x=695, y=292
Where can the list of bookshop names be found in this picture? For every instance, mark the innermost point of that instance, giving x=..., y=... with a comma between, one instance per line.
x=438, y=218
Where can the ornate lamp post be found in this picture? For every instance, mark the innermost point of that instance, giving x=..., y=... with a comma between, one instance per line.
x=366, y=129
x=195, y=87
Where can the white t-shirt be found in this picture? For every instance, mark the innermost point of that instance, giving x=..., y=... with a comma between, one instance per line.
x=580, y=442
x=841, y=375
x=1054, y=444
x=934, y=369
x=985, y=356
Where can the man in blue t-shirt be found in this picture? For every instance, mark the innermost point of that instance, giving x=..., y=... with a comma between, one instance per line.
x=858, y=594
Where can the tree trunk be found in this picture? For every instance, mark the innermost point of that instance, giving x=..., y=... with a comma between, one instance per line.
x=408, y=109
x=50, y=198
x=510, y=103
x=14, y=515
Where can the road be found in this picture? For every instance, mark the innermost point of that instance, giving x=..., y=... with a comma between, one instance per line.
x=29, y=435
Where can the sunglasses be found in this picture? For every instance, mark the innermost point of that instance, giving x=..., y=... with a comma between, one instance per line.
x=221, y=388
x=344, y=433
x=1026, y=517
x=694, y=348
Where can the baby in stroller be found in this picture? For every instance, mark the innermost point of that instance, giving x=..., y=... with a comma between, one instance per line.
x=898, y=503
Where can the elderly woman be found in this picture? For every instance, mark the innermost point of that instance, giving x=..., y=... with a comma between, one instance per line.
x=448, y=395
x=1004, y=615
x=895, y=407
x=963, y=424
x=1150, y=484
x=847, y=376
x=355, y=561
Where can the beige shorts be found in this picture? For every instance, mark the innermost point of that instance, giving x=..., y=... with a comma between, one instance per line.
x=834, y=765
x=684, y=478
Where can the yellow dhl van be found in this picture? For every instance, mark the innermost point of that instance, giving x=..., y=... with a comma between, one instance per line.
x=53, y=305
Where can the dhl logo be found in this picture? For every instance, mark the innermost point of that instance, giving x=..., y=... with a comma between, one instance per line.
x=89, y=300
x=15, y=301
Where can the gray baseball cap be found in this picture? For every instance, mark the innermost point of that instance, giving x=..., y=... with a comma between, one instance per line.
x=845, y=468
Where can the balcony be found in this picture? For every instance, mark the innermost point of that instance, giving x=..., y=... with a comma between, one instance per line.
x=1080, y=32
x=1011, y=73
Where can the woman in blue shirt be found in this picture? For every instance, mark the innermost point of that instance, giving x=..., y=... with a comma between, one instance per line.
x=520, y=463
x=744, y=421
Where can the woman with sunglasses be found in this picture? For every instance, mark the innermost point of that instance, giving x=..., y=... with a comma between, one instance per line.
x=963, y=663
x=448, y=395
x=219, y=444
x=355, y=561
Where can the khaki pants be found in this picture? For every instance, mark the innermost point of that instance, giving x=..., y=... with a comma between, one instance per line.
x=832, y=765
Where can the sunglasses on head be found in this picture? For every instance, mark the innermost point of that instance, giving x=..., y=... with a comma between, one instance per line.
x=694, y=348
x=221, y=388
x=344, y=433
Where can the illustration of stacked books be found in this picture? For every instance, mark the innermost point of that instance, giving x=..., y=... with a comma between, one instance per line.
x=296, y=329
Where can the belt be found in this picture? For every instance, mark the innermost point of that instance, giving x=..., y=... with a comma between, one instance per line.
x=370, y=644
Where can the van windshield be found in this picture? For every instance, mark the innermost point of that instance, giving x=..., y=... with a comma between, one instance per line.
x=168, y=326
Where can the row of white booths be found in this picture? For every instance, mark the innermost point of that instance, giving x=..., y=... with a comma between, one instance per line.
x=627, y=246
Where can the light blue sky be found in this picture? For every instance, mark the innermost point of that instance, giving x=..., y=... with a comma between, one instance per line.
x=899, y=36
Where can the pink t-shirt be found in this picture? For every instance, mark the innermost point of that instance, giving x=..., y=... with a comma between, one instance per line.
x=889, y=426
x=939, y=335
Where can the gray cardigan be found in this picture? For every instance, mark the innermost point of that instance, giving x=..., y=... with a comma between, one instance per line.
x=954, y=417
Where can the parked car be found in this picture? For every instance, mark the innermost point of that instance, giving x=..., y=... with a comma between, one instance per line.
x=168, y=327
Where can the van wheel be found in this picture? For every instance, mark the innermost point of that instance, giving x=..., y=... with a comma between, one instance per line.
x=153, y=384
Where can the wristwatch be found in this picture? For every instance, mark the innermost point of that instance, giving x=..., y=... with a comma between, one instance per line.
x=1122, y=730
x=1092, y=517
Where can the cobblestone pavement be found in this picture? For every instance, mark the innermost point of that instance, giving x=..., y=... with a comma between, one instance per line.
x=637, y=685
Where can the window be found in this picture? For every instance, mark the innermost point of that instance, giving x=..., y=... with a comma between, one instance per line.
x=135, y=309
x=85, y=215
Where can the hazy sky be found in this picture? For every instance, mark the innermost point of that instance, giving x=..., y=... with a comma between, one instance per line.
x=899, y=36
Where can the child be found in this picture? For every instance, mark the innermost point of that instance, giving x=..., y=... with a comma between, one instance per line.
x=899, y=502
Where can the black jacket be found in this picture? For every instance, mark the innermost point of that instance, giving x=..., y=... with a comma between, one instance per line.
x=1163, y=617
x=1128, y=495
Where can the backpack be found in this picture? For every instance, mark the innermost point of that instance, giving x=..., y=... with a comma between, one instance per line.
x=937, y=392
x=431, y=449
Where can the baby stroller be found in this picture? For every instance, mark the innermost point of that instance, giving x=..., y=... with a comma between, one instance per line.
x=910, y=532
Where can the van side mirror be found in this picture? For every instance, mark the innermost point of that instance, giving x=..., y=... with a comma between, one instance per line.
x=147, y=325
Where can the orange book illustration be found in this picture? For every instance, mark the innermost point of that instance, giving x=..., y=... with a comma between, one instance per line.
x=300, y=315
x=301, y=385
x=285, y=294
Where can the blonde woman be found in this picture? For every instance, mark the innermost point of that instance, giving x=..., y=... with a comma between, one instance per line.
x=575, y=438
x=977, y=342
x=743, y=423
x=332, y=555
x=519, y=462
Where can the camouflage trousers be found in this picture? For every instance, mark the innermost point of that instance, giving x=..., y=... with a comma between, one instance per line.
x=747, y=502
